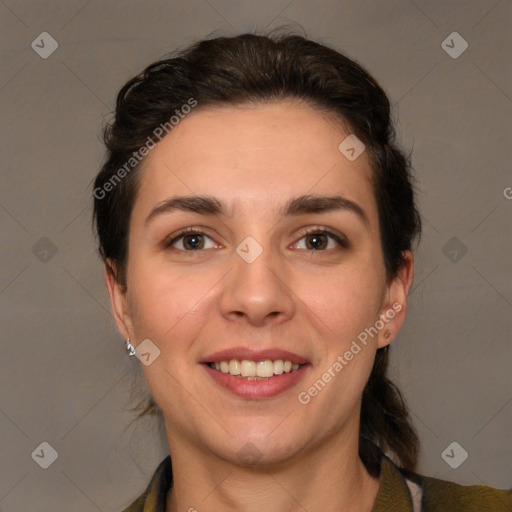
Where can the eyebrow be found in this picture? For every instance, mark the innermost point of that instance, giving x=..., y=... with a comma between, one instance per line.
x=208, y=205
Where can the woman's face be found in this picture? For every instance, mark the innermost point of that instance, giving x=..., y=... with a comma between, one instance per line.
x=259, y=282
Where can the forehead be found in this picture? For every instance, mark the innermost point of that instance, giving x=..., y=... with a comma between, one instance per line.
x=259, y=155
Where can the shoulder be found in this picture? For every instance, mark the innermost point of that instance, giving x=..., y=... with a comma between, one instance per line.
x=446, y=496
x=406, y=491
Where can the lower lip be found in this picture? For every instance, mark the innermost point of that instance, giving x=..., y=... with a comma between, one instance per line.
x=257, y=389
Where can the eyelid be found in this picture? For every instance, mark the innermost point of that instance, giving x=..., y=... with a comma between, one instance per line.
x=340, y=238
x=180, y=234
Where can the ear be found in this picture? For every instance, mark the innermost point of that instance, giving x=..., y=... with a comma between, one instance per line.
x=395, y=301
x=118, y=301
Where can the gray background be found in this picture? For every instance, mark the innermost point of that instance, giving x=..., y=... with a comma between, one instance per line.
x=65, y=378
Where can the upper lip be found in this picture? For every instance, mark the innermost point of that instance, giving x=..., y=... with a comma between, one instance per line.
x=249, y=354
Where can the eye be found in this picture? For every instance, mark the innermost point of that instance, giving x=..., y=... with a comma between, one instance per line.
x=319, y=239
x=190, y=239
x=194, y=239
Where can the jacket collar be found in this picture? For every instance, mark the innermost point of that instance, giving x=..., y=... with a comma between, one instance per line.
x=393, y=495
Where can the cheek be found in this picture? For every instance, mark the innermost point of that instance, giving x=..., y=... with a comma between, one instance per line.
x=167, y=309
x=341, y=311
x=343, y=308
x=170, y=307
x=175, y=308
x=347, y=301
x=165, y=304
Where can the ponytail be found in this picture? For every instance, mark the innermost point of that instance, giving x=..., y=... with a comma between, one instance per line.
x=386, y=425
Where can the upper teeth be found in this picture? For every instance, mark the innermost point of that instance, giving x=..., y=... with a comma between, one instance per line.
x=246, y=368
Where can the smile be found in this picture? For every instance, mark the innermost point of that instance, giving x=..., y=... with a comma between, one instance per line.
x=256, y=380
x=255, y=370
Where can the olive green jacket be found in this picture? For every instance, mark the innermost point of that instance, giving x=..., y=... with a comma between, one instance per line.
x=399, y=491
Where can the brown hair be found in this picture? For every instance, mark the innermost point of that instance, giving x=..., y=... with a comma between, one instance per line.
x=253, y=68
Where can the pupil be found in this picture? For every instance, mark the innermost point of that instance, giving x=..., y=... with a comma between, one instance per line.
x=317, y=239
x=193, y=245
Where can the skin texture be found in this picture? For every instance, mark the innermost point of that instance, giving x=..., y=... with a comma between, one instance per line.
x=311, y=302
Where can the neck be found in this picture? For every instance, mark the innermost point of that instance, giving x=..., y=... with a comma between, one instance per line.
x=333, y=472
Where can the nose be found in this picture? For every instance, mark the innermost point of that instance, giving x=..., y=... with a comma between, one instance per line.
x=257, y=291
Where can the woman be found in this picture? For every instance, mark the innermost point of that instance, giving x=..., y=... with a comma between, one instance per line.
x=256, y=222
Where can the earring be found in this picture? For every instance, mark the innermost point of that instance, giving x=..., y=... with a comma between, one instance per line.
x=387, y=334
x=130, y=349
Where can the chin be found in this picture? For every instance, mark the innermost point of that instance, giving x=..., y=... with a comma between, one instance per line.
x=259, y=450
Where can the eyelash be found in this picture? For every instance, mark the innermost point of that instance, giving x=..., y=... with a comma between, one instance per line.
x=342, y=241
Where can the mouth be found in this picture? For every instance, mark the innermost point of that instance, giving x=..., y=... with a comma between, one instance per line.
x=255, y=370
x=255, y=375
x=255, y=380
